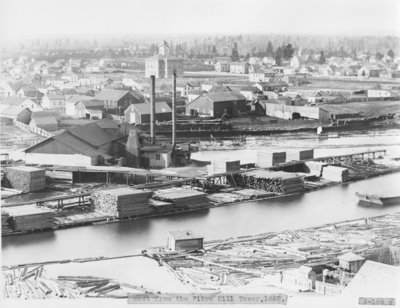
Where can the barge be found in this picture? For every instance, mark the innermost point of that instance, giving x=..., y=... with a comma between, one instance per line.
x=378, y=199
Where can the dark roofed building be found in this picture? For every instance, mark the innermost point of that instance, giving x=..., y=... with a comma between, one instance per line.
x=217, y=104
x=140, y=113
x=116, y=101
x=44, y=120
x=84, y=145
x=184, y=240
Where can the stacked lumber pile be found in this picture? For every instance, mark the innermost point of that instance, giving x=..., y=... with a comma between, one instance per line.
x=268, y=159
x=218, y=167
x=122, y=202
x=5, y=227
x=25, y=178
x=182, y=198
x=300, y=155
x=160, y=206
x=277, y=182
x=314, y=167
x=89, y=283
x=335, y=174
x=30, y=217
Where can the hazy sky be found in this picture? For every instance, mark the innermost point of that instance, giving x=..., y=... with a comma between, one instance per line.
x=60, y=17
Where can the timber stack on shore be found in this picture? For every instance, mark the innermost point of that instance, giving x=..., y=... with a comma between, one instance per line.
x=30, y=217
x=25, y=179
x=335, y=174
x=122, y=202
x=299, y=155
x=182, y=198
x=277, y=182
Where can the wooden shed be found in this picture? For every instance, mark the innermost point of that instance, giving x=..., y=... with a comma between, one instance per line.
x=351, y=262
x=184, y=240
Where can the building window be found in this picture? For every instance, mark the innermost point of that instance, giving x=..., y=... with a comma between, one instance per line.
x=158, y=157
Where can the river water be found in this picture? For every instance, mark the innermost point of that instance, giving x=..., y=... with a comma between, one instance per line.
x=311, y=209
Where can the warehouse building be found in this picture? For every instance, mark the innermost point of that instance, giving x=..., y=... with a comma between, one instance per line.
x=217, y=105
x=273, y=109
x=184, y=240
x=140, y=113
x=85, y=145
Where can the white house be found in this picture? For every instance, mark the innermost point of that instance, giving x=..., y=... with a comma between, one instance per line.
x=53, y=101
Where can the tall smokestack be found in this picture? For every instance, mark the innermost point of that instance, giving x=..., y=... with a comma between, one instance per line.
x=153, y=110
x=174, y=110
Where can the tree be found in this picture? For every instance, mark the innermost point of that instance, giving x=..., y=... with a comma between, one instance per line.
x=390, y=53
x=235, y=52
x=214, y=50
x=278, y=56
x=379, y=56
x=248, y=56
x=270, y=50
x=288, y=51
x=322, y=59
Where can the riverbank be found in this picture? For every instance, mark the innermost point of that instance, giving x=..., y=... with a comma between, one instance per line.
x=228, y=265
x=79, y=211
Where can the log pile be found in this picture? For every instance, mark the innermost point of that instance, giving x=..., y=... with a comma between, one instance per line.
x=218, y=167
x=30, y=217
x=182, y=198
x=268, y=159
x=5, y=227
x=25, y=178
x=122, y=202
x=335, y=174
x=300, y=155
x=277, y=182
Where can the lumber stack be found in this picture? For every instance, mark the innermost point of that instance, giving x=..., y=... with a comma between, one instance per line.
x=122, y=202
x=218, y=167
x=314, y=167
x=25, y=178
x=300, y=155
x=277, y=182
x=160, y=206
x=5, y=227
x=182, y=198
x=335, y=174
x=268, y=159
x=30, y=217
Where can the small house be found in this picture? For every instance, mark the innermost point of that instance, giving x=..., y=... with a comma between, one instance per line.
x=53, y=101
x=222, y=66
x=367, y=71
x=239, y=67
x=184, y=240
x=116, y=101
x=302, y=278
x=351, y=262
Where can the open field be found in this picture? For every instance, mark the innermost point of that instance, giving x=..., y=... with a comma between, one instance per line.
x=13, y=138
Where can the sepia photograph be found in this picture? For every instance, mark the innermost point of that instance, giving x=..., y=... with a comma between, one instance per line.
x=173, y=153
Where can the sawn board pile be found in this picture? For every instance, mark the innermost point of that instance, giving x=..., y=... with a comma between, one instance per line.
x=30, y=217
x=122, y=202
x=25, y=178
x=182, y=198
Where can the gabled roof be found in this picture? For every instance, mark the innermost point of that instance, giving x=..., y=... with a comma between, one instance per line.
x=78, y=98
x=161, y=107
x=43, y=117
x=111, y=95
x=349, y=256
x=375, y=280
x=224, y=96
x=92, y=103
x=13, y=100
x=218, y=89
x=184, y=235
x=94, y=134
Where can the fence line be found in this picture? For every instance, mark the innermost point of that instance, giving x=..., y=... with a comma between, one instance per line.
x=33, y=129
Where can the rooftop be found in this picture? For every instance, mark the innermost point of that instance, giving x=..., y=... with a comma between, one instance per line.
x=111, y=95
x=184, y=235
x=349, y=256
x=144, y=108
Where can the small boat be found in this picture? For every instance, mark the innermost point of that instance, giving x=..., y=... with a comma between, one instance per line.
x=377, y=199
